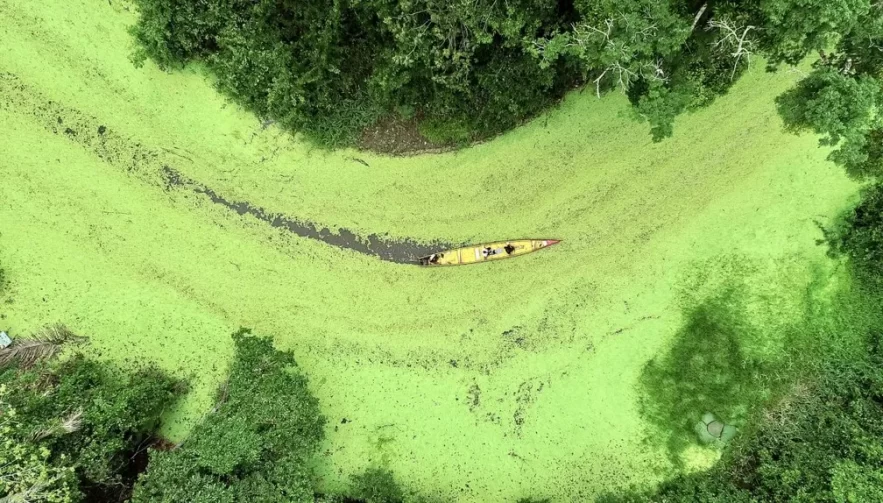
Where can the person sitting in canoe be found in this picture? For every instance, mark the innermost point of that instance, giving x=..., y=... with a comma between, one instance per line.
x=509, y=248
x=487, y=252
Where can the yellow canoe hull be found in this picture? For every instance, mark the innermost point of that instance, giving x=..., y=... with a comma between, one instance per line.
x=488, y=252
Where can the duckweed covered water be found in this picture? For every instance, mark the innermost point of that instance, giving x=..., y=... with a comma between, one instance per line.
x=477, y=384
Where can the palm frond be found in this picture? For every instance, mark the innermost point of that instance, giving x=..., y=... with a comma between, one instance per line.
x=73, y=422
x=46, y=343
x=63, y=426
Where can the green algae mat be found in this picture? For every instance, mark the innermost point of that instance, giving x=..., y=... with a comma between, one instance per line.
x=477, y=384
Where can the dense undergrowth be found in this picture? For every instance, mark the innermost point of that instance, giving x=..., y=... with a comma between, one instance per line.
x=820, y=441
x=71, y=429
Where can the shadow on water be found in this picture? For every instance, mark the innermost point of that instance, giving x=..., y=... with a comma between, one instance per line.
x=743, y=347
x=705, y=370
x=402, y=251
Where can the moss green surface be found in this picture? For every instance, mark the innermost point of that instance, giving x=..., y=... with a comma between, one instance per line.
x=479, y=383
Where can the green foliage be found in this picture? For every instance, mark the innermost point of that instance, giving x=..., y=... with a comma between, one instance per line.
x=840, y=420
x=704, y=69
x=471, y=69
x=659, y=104
x=254, y=446
x=620, y=42
x=26, y=472
x=376, y=485
x=858, y=49
x=841, y=97
x=735, y=354
x=82, y=417
x=839, y=106
x=794, y=28
x=451, y=131
x=329, y=70
x=828, y=102
x=851, y=482
x=859, y=236
x=93, y=414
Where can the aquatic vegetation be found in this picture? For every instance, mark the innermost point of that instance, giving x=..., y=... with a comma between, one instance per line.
x=520, y=378
x=705, y=371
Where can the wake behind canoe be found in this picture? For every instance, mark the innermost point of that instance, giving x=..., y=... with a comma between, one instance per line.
x=487, y=252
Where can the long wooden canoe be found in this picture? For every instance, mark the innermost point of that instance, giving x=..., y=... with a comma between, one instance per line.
x=487, y=252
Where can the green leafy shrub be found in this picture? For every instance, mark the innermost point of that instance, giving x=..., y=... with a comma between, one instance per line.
x=26, y=472
x=841, y=96
x=76, y=424
x=254, y=446
x=859, y=237
x=838, y=106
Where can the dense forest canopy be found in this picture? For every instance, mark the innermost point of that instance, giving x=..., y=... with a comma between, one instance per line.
x=467, y=69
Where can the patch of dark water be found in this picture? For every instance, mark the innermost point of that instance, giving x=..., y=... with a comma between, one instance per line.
x=402, y=251
x=147, y=164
